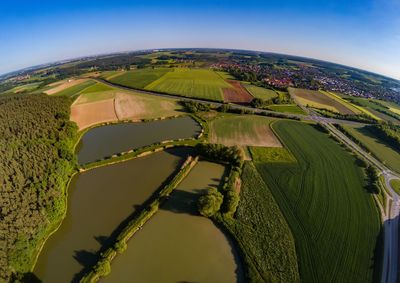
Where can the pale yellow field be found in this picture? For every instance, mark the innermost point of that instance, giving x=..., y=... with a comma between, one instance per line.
x=64, y=85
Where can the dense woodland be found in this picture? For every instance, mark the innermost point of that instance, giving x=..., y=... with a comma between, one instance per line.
x=36, y=161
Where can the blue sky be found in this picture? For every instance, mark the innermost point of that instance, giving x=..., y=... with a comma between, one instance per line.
x=364, y=34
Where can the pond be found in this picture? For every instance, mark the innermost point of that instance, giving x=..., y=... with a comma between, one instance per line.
x=178, y=245
x=99, y=201
x=104, y=141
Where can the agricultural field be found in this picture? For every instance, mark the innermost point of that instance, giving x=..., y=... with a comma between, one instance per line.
x=271, y=154
x=317, y=99
x=243, y=130
x=25, y=88
x=139, y=78
x=200, y=83
x=261, y=92
x=60, y=87
x=333, y=218
x=378, y=109
x=263, y=233
x=100, y=103
x=386, y=154
x=71, y=91
x=287, y=108
x=237, y=93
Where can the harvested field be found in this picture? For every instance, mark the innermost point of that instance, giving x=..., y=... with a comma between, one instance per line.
x=243, y=131
x=64, y=85
x=318, y=99
x=88, y=114
x=134, y=107
x=237, y=94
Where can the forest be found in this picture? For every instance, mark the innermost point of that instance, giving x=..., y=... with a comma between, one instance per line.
x=36, y=161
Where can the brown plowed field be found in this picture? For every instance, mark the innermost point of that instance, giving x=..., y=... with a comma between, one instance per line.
x=237, y=94
x=88, y=114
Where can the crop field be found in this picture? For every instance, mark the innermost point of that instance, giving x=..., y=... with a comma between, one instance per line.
x=89, y=114
x=318, y=99
x=287, y=108
x=100, y=103
x=76, y=89
x=271, y=154
x=262, y=232
x=389, y=156
x=333, y=219
x=200, y=83
x=139, y=78
x=25, y=87
x=237, y=93
x=135, y=106
x=344, y=102
x=243, y=131
x=261, y=92
x=68, y=87
x=377, y=110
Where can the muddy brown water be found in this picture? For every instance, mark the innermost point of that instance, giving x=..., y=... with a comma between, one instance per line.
x=178, y=245
x=105, y=141
x=99, y=200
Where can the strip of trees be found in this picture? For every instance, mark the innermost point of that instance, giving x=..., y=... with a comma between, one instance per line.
x=36, y=162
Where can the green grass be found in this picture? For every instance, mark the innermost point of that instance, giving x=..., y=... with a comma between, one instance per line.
x=199, y=83
x=334, y=220
x=76, y=89
x=98, y=87
x=242, y=130
x=287, y=108
x=389, y=156
x=260, y=92
x=262, y=232
x=271, y=154
x=25, y=87
x=374, y=109
x=395, y=183
x=139, y=78
x=225, y=75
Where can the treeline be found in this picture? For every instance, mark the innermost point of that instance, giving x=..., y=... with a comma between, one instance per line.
x=195, y=107
x=282, y=98
x=226, y=200
x=36, y=162
x=388, y=132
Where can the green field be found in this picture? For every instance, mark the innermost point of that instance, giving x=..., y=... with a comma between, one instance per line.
x=377, y=110
x=333, y=219
x=25, y=87
x=200, y=83
x=139, y=78
x=260, y=92
x=243, y=130
x=395, y=183
x=271, y=154
x=287, y=108
x=389, y=156
x=262, y=232
x=97, y=87
x=76, y=89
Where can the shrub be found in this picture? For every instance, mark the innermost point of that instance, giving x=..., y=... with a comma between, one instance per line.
x=210, y=203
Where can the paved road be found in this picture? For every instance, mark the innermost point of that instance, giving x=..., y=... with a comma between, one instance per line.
x=390, y=216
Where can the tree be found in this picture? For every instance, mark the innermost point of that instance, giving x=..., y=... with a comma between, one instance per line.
x=210, y=203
